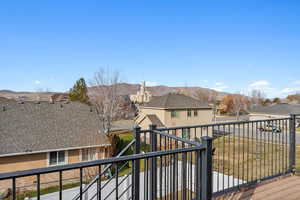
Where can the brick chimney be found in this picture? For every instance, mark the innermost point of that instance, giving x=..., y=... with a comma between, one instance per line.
x=51, y=99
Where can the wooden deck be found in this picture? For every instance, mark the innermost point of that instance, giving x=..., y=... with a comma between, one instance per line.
x=285, y=188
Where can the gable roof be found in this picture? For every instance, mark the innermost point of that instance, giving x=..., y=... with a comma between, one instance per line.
x=172, y=101
x=32, y=127
x=154, y=120
x=277, y=109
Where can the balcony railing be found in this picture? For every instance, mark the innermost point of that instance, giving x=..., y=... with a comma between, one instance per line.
x=163, y=166
x=191, y=162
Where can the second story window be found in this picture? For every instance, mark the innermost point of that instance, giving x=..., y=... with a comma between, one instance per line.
x=189, y=113
x=174, y=114
x=57, y=158
x=195, y=113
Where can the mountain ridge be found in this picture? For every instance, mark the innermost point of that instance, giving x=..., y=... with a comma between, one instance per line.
x=125, y=89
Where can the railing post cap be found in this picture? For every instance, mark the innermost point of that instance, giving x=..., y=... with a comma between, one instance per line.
x=152, y=126
x=137, y=127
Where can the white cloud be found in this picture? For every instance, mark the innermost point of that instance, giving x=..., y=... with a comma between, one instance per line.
x=37, y=82
x=150, y=83
x=220, y=86
x=260, y=84
x=287, y=90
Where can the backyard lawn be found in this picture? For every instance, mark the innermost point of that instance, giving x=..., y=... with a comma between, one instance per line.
x=249, y=159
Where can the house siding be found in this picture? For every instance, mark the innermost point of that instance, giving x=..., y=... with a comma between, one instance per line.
x=40, y=160
x=205, y=116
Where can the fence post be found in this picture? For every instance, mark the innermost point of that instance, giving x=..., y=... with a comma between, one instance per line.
x=292, y=142
x=206, y=169
x=153, y=168
x=136, y=165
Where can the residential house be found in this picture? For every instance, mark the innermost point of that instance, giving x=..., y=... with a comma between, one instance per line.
x=173, y=110
x=280, y=110
x=43, y=134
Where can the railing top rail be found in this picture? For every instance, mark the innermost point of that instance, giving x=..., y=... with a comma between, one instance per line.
x=176, y=138
x=73, y=166
x=219, y=124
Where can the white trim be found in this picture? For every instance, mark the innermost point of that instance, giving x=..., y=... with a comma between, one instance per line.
x=179, y=108
x=50, y=150
x=66, y=158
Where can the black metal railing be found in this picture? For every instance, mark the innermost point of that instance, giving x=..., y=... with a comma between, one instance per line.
x=190, y=162
x=246, y=152
x=163, y=167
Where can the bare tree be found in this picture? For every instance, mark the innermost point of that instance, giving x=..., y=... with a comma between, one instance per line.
x=239, y=103
x=104, y=95
x=257, y=96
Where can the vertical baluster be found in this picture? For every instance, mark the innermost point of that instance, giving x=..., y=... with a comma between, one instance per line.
x=198, y=175
x=81, y=181
x=38, y=186
x=184, y=177
x=60, y=185
x=243, y=155
x=233, y=154
x=117, y=181
x=229, y=133
x=253, y=156
x=219, y=135
x=14, y=191
x=174, y=177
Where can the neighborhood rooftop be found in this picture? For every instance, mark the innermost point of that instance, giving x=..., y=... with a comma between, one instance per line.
x=37, y=127
x=277, y=109
x=175, y=101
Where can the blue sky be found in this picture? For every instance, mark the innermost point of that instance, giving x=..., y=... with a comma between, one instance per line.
x=227, y=45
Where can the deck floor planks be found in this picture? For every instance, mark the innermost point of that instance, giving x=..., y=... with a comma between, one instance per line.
x=287, y=188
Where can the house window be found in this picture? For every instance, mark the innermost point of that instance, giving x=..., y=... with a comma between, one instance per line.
x=57, y=158
x=189, y=113
x=88, y=154
x=174, y=113
x=195, y=113
x=186, y=133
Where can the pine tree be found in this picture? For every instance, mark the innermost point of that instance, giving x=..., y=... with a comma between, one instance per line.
x=79, y=92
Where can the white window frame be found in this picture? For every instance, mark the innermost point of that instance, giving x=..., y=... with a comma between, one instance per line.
x=89, y=154
x=64, y=163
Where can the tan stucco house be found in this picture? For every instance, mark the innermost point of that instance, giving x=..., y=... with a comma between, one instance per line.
x=172, y=110
x=43, y=134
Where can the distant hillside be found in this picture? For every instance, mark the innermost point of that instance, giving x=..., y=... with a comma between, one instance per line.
x=128, y=89
x=26, y=96
x=125, y=89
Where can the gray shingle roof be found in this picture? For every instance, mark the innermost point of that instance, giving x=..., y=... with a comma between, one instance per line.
x=31, y=127
x=154, y=120
x=277, y=109
x=171, y=101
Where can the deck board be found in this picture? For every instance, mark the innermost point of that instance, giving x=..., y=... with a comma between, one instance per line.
x=286, y=188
